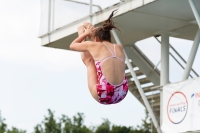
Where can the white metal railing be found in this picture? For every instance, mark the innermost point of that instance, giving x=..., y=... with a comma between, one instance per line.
x=84, y=3
x=179, y=57
x=56, y=14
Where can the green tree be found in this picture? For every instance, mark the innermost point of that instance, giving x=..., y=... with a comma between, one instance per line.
x=38, y=129
x=75, y=125
x=146, y=123
x=63, y=124
x=50, y=124
x=104, y=127
x=15, y=130
x=3, y=126
x=121, y=129
x=146, y=126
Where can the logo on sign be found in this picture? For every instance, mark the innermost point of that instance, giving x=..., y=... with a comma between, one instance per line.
x=177, y=107
x=196, y=95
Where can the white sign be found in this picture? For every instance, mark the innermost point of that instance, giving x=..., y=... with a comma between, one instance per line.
x=181, y=107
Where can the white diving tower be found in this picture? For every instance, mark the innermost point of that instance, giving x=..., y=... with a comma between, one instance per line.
x=138, y=20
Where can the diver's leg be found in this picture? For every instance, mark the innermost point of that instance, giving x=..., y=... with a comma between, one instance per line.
x=91, y=73
x=91, y=69
x=81, y=30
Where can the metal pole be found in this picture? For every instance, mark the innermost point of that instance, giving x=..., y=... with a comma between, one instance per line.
x=164, y=59
x=49, y=17
x=53, y=14
x=192, y=56
x=90, y=11
x=194, y=9
x=164, y=75
x=138, y=85
x=49, y=21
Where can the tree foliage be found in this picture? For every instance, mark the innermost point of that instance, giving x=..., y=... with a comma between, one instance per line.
x=146, y=124
x=62, y=125
x=65, y=124
x=15, y=130
x=3, y=127
x=104, y=127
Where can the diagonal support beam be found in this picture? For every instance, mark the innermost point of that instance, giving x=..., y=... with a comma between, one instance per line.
x=138, y=85
x=194, y=9
x=192, y=56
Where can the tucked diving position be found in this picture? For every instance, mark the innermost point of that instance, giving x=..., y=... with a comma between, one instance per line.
x=104, y=60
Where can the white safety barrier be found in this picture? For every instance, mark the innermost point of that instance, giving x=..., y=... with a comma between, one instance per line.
x=181, y=107
x=56, y=14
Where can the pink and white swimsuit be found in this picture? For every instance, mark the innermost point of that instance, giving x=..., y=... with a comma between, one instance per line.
x=107, y=92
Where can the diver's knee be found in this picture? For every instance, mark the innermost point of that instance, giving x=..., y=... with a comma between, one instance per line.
x=94, y=94
x=87, y=58
x=80, y=27
x=88, y=61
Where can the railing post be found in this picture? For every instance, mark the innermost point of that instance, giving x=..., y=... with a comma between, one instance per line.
x=49, y=17
x=138, y=85
x=90, y=11
x=53, y=13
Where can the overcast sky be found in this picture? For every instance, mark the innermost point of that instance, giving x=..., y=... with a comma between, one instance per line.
x=35, y=78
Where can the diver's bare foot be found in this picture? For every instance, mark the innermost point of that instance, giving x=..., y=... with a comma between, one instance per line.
x=81, y=30
x=87, y=25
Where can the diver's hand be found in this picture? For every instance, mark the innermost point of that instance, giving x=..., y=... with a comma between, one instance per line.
x=89, y=31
